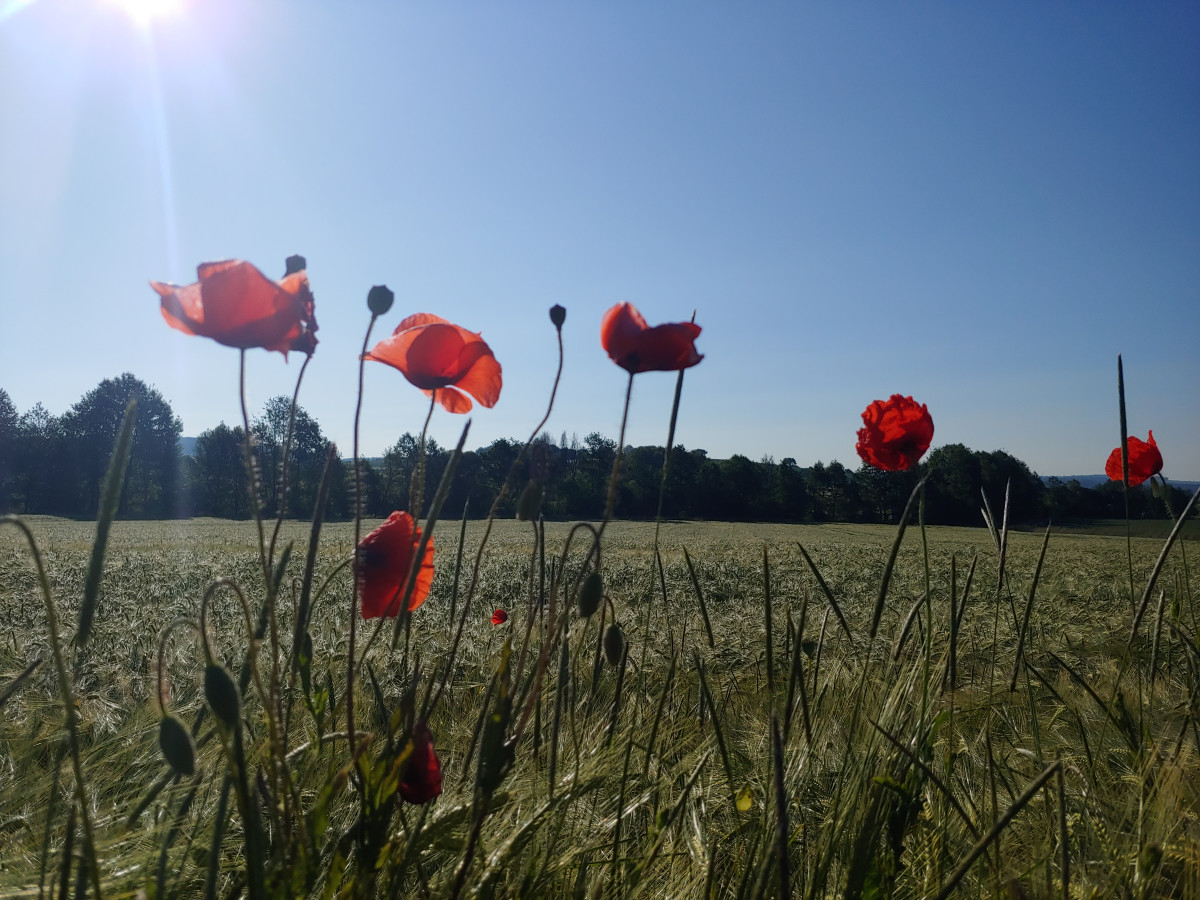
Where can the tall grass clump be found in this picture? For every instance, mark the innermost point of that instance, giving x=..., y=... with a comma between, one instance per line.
x=525, y=708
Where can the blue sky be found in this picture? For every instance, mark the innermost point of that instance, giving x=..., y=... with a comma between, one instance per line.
x=979, y=205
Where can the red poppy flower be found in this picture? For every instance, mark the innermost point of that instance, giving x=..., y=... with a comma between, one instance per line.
x=438, y=357
x=237, y=305
x=636, y=347
x=499, y=617
x=1144, y=461
x=422, y=778
x=382, y=564
x=896, y=433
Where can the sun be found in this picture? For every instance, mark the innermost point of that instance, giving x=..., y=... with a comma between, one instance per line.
x=143, y=12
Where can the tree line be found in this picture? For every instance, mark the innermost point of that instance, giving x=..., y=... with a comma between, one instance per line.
x=55, y=465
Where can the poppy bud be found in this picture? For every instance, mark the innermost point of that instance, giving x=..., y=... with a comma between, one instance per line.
x=614, y=644
x=177, y=746
x=222, y=695
x=295, y=263
x=530, y=503
x=379, y=299
x=558, y=315
x=587, y=601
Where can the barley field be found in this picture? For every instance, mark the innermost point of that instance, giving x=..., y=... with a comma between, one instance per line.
x=998, y=736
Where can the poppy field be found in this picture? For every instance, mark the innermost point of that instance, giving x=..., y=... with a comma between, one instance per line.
x=434, y=707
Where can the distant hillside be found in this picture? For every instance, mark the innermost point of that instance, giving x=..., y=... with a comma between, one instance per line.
x=187, y=446
x=1092, y=481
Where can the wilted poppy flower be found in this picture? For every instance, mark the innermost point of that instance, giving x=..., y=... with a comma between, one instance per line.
x=499, y=617
x=636, y=347
x=439, y=357
x=896, y=433
x=422, y=778
x=237, y=305
x=382, y=563
x=1144, y=461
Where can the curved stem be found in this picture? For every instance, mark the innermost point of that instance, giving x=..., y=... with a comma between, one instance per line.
x=252, y=473
x=416, y=487
x=615, y=476
x=284, y=465
x=512, y=471
x=358, y=505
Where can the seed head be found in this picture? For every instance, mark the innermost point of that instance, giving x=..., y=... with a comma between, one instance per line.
x=379, y=299
x=177, y=746
x=591, y=592
x=614, y=644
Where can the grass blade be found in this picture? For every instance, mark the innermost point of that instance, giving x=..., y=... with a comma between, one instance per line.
x=1037, y=572
x=110, y=499
x=994, y=832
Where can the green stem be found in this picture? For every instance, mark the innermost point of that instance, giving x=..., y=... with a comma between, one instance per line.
x=358, y=505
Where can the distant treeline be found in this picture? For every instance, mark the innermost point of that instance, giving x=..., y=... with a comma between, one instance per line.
x=55, y=465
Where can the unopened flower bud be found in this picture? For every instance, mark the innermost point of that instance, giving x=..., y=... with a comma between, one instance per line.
x=530, y=503
x=222, y=695
x=295, y=263
x=379, y=299
x=558, y=315
x=591, y=592
x=614, y=644
x=178, y=748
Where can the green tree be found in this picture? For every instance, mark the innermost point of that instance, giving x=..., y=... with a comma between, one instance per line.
x=219, y=480
x=307, y=460
x=8, y=449
x=998, y=469
x=90, y=428
x=952, y=492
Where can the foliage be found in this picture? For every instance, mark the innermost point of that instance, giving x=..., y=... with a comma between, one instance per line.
x=53, y=466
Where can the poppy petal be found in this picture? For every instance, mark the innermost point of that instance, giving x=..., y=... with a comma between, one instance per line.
x=483, y=379
x=419, y=319
x=382, y=563
x=895, y=433
x=451, y=400
x=433, y=355
x=236, y=305
x=636, y=347
x=422, y=778
x=1145, y=461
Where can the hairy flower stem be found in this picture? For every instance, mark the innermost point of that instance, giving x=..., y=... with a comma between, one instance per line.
x=252, y=476
x=357, y=537
x=491, y=517
x=285, y=463
x=615, y=475
x=662, y=485
x=416, y=487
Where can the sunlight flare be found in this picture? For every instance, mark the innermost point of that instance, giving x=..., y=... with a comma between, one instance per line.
x=144, y=12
